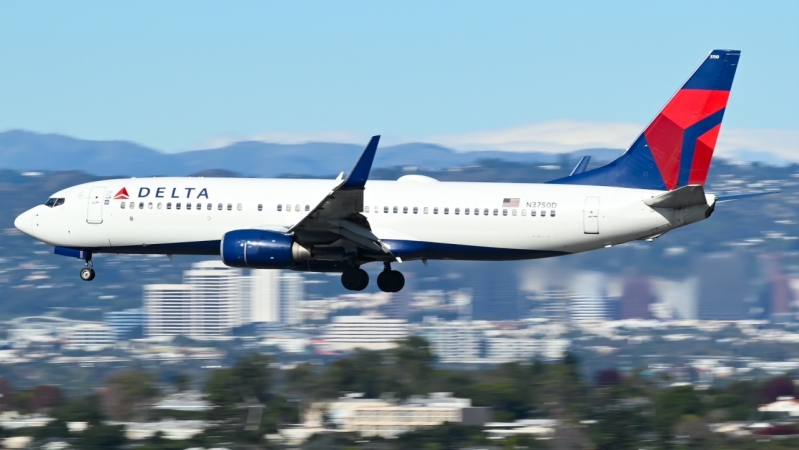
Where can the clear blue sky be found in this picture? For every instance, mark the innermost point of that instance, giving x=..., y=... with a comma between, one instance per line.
x=173, y=75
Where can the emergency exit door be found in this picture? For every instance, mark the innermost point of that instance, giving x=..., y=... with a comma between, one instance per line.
x=591, y=215
x=94, y=214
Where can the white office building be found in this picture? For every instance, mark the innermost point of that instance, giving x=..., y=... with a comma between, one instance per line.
x=292, y=293
x=212, y=301
x=369, y=333
x=264, y=295
x=89, y=336
x=454, y=341
x=170, y=310
x=217, y=297
x=589, y=302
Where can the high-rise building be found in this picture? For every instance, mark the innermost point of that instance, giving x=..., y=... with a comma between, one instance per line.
x=264, y=290
x=211, y=302
x=636, y=298
x=170, y=310
x=292, y=293
x=217, y=297
x=124, y=322
x=724, y=289
x=590, y=300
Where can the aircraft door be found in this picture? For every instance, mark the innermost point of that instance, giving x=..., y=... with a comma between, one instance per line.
x=591, y=215
x=94, y=213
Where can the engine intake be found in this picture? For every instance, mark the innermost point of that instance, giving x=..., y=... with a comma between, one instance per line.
x=260, y=249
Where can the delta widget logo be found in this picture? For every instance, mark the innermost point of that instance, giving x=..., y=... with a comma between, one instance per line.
x=122, y=194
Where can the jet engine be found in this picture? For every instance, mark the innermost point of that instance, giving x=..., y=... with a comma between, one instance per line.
x=261, y=249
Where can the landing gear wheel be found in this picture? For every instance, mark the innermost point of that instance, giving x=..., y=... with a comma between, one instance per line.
x=390, y=281
x=87, y=274
x=355, y=279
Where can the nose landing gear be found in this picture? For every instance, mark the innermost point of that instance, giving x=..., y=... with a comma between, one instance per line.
x=390, y=280
x=87, y=273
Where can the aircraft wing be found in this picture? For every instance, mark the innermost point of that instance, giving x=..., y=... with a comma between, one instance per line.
x=340, y=211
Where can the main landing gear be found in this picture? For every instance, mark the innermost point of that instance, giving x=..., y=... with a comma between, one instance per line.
x=87, y=273
x=356, y=279
x=390, y=280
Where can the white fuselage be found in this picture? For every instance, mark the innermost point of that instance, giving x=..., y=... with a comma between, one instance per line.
x=156, y=216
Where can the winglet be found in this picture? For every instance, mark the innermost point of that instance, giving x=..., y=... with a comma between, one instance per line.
x=360, y=173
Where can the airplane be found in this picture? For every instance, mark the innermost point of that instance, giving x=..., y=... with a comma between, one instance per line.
x=339, y=225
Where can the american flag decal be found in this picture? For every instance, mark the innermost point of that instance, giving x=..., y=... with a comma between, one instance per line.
x=510, y=202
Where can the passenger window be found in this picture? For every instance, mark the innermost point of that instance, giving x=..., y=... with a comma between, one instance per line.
x=238, y=207
x=496, y=212
x=132, y=205
x=230, y=206
x=485, y=211
x=532, y=213
x=426, y=209
x=551, y=213
x=396, y=210
x=366, y=209
x=199, y=206
x=504, y=212
x=524, y=212
x=308, y=208
x=141, y=205
x=279, y=207
x=220, y=207
x=122, y=205
x=385, y=209
x=476, y=211
x=159, y=205
x=415, y=210
x=260, y=207
x=457, y=211
x=466, y=211
x=209, y=207
x=150, y=205
x=543, y=213
x=512, y=212
x=446, y=210
x=435, y=210
x=59, y=202
x=405, y=210
x=288, y=208
x=169, y=206
x=177, y=205
x=297, y=208
x=188, y=206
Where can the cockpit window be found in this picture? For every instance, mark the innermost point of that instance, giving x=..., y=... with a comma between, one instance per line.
x=53, y=202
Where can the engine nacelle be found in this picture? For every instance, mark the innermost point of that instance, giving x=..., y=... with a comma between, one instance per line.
x=260, y=249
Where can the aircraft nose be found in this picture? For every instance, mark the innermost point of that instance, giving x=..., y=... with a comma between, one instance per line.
x=24, y=222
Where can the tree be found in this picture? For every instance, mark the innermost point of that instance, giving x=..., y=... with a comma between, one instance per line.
x=80, y=409
x=778, y=387
x=126, y=393
x=103, y=437
x=672, y=404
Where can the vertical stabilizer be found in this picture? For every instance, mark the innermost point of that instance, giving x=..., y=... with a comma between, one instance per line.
x=676, y=148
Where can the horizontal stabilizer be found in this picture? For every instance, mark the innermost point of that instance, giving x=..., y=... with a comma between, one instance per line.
x=684, y=197
x=731, y=197
x=581, y=166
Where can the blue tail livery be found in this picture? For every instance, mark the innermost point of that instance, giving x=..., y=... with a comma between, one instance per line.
x=676, y=148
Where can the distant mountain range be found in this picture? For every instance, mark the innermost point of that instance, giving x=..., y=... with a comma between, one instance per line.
x=27, y=151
